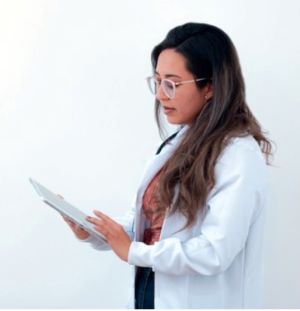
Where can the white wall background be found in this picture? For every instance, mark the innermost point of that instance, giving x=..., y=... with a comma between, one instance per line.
x=75, y=114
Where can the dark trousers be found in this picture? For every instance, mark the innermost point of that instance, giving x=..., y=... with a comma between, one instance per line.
x=144, y=288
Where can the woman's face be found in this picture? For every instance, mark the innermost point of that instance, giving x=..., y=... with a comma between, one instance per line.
x=189, y=99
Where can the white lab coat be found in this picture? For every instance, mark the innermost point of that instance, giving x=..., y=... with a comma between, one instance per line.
x=217, y=263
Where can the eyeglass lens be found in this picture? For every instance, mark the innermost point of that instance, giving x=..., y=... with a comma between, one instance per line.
x=167, y=86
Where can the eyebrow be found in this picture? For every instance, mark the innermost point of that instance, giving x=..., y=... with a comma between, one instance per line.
x=168, y=75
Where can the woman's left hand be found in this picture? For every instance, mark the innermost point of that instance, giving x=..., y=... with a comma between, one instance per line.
x=114, y=233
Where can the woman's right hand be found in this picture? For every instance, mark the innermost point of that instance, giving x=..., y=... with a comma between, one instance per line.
x=80, y=233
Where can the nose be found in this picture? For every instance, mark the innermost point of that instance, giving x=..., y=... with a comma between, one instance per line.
x=160, y=94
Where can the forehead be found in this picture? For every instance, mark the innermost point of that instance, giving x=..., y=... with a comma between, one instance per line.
x=169, y=61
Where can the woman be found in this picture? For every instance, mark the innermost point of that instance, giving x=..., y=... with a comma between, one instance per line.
x=195, y=233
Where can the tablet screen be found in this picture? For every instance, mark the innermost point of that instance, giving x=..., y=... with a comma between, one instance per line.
x=65, y=208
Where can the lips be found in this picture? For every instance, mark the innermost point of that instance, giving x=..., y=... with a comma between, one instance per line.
x=168, y=108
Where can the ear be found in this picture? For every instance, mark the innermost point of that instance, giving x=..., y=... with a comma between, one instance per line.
x=208, y=91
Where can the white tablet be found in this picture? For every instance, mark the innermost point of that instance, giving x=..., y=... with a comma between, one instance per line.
x=65, y=208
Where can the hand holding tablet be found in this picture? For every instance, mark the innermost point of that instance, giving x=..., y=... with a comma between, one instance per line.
x=79, y=232
x=75, y=218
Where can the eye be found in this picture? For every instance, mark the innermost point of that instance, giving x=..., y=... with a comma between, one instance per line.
x=169, y=84
x=177, y=83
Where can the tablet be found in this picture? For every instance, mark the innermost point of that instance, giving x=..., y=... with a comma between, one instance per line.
x=65, y=208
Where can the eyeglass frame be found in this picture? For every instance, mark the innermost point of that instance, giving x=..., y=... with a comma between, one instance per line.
x=173, y=83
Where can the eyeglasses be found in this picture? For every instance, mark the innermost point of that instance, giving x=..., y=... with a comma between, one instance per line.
x=168, y=86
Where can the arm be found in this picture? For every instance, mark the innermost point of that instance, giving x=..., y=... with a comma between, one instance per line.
x=231, y=209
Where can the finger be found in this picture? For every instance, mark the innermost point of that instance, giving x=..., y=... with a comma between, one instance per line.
x=93, y=220
x=72, y=225
x=81, y=229
x=68, y=220
x=101, y=226
x=99, y=223
x=103, y=230
x=111, y=225
x=106, y=218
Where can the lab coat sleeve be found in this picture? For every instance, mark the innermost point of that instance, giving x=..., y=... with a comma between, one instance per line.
x=231, y=209
x=126, y=221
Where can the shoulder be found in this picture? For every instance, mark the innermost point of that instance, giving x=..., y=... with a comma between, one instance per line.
x=242, y=157
x=240, y=148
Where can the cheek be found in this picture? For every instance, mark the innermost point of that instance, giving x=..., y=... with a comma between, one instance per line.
x=191, y=104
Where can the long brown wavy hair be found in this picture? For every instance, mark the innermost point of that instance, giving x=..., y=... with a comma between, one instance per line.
x=209, y=52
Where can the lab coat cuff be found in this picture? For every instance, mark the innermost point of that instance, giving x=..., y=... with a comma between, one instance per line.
x=98, y=244
x=141, y=254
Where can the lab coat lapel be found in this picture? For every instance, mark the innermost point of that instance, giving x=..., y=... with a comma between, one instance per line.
x=157, y=162
x=152, y=168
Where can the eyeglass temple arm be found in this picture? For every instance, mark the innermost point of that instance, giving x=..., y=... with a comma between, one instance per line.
x=189, y=81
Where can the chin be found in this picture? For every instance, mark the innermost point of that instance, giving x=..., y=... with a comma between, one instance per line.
x=175, y=122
